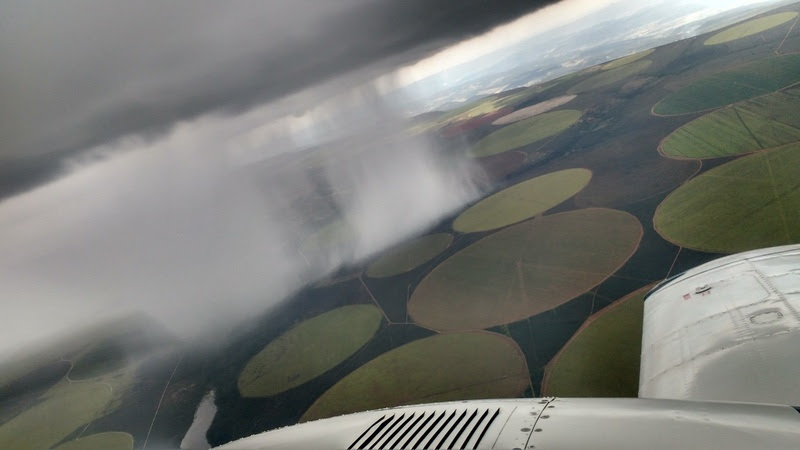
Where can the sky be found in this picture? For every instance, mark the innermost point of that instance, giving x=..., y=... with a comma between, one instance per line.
x=134, y=167
x=558, y=18
x=547, y=19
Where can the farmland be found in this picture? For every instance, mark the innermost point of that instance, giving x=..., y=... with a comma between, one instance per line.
x=63, y=409
x=534, y=110
x=745, y=204
x=308, y=350
x=522, y=201
x=757, y=124
x=640, y=180
x=525, y=269
x=723, y=88
x=750, y=28
x=497, y=167
x=602, y=358
x=484, y=106
x=100, y=441
x=626, y=60
x=525, y=132
x=439, y=368
x=611, y=76
x=97, y=371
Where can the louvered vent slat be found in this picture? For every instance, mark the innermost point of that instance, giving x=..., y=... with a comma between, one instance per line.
x=438, y=431
x=428, y=430
x=416, y=430
x=365, y=433
x=396, y=444
x=461, y=431
x=388, y=433
x=453, y=429
x=488, y=424
x=371, y=438
x=450, y=430
x=472, y=431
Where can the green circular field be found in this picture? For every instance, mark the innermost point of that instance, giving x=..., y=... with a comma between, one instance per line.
x=525, y=269
x=65, y=408
x=752, y=202
x=113, y=440
x=763, y=122
x=611, y=76
x=626, y=60
x=750, y=28
x=308, y=350
x=444, y=367
x=409, y=255
x=525, y=132
x=602, y=358
x=522, y=201
x=723, y=88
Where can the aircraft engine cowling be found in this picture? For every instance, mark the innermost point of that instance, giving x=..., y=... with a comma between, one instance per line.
x=545, y=423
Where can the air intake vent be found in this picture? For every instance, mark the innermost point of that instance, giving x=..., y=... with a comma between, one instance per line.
x=428, y=429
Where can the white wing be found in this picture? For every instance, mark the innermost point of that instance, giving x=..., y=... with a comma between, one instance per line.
x=728, y=330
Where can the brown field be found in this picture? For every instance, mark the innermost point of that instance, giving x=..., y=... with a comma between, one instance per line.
x=525, y=269
x=501, y=165
x=534, y=110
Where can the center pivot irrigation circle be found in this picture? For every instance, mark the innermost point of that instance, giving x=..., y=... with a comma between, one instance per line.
x=308, y=350
x=526, y=132
x=525, y=269
x=522, y=201
x=749, y=203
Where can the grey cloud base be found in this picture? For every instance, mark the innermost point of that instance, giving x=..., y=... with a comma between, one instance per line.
x=78, y=74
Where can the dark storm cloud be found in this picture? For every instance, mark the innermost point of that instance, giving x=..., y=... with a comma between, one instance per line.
x=79, y=73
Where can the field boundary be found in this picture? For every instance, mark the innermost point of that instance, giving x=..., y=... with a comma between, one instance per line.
x=589, y=320
x=787, y=36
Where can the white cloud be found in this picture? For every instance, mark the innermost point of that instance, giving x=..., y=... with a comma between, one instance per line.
x=183, y=229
